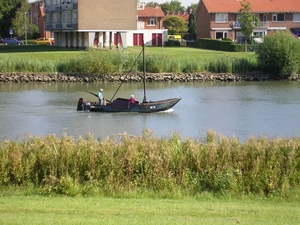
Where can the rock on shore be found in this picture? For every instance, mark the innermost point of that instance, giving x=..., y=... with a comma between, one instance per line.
x=151, y=77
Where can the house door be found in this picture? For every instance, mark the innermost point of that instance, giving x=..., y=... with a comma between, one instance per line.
x=138, y=39
x=96, y=39
x=117, y=39
x=156, y=39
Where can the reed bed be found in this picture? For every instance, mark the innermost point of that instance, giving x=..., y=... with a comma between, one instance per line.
x=167, y=166
x=10, y=64
x=96, y=61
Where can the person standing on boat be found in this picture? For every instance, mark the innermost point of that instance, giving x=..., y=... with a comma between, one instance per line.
x=100, y=95
x=131, y=102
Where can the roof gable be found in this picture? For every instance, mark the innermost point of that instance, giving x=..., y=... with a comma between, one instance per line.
x=150, y=12
x=184, y=15
x=258, y=6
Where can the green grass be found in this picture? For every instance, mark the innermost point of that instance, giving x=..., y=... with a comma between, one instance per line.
x=34, y=58
x=194, y=53
x=207, y=210
x=38, y=52
x=53, y=52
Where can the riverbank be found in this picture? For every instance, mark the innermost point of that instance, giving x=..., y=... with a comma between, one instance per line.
x=151, y=77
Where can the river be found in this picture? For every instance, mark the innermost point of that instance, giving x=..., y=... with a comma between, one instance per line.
x=239, y=109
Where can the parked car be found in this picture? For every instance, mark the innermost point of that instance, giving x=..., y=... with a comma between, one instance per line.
x=12, y=41
x=1, y=39
x=44, y=41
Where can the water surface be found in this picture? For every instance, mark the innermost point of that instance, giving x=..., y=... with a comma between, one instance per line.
x=240, y=109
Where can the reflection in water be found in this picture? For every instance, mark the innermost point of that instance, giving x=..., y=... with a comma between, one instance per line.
x=239, y=109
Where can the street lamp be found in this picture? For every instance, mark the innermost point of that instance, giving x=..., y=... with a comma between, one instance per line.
x=25, y=29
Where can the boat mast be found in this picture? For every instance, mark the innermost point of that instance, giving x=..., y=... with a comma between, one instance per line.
x=144, y=71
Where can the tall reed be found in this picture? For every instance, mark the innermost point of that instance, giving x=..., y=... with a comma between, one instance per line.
x=96, y=61
x=20, y=64
x=168, y=165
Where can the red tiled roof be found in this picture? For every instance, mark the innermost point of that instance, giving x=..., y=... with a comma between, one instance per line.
x=185, y=16
x=150, y=12
x=258, y=6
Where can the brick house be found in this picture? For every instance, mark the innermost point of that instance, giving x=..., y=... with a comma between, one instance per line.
x=220, y=19
x=36, y=16
x=149, y=26
x=100, y=23
x=83, y=23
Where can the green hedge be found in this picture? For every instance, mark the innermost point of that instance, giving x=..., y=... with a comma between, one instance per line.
x=222, y=45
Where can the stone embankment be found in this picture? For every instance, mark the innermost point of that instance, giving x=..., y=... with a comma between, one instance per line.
x=151, y=77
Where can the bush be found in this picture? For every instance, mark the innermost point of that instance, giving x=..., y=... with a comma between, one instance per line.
x=172, y=43
x=279, y=54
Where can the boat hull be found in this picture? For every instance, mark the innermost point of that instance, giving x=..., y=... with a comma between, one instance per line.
x=122, y=105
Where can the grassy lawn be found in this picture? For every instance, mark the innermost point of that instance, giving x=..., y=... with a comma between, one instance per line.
x=39, y=58
x=195, y=52
x=41, y=52
x=33, y=209
x=38, y=52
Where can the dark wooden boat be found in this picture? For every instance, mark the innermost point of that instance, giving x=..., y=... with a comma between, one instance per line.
x=123, y=105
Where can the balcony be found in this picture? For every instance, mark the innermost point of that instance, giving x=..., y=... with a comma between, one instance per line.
x=67, y=26
x=262, y=24
x=52, y=8
x=61, y=26
x=66, y=5
x=48, y=26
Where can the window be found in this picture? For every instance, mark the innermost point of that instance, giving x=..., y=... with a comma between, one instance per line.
x=48, y=18
x=221, y=17
x=278, y=17
x=259, y=34
x=151, y=22
x=47, y=3
x=296, y=17
x=66, y=17
x=55, y=17
x=221, y=34
x=75, y=16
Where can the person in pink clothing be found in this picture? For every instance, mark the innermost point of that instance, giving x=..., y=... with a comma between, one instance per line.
x=131, y=102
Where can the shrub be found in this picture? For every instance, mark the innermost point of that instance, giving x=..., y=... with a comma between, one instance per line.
x=279, y=54
x=172, y=43
x=227, y=39
x=191, y=67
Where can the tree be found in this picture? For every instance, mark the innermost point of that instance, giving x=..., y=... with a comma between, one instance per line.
x=152, y=4
x=8, y=15
x=172, y=7
x=248, y=20
x=18, y=22
x=279, y=54
x=192, y=26
x=192, y=8
x=175, y=24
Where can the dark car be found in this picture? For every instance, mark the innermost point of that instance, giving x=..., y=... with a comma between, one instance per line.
x=12, y=41
x=1, y=39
